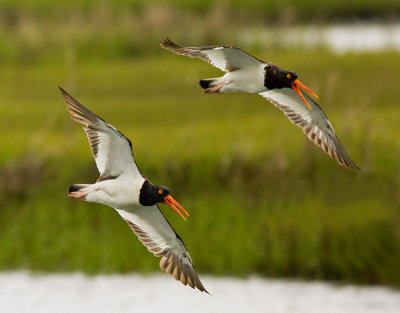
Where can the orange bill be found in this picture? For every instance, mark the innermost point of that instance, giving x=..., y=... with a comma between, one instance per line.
x=170, y=201
x=296, y=86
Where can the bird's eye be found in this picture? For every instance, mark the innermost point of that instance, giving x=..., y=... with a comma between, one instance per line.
x=160, y=192
x=288, y=76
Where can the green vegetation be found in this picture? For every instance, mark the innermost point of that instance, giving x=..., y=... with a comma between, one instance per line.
x=272, y=10
x=262, y=198
x=36, y=30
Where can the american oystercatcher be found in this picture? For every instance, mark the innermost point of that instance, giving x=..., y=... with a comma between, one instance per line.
x=246, y=73
x=122, y=186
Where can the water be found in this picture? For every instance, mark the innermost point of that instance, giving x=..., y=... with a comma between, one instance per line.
x=338, y=38
x=22, y=292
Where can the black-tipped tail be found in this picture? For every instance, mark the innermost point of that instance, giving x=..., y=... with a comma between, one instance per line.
x=206, y=83
x=76, y=187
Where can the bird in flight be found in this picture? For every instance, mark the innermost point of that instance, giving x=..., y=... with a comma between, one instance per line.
x=123, y=187
x=246, y=73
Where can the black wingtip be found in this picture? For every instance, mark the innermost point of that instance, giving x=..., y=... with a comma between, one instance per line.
x=357, y=168
x=205, y=290
x=351, y=165
x=167, y=44
x=63, y=92
x=165, y=41
x=61, y=89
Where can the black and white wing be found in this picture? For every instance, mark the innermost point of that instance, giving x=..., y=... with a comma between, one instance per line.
x=111, y=150
x=154, y=231
x=226, y=58
x=313, y=122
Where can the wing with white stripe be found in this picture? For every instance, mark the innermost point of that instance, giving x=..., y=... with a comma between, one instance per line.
x=154, y=231
x=313, y=122
x=111, y=150
x=226, y=58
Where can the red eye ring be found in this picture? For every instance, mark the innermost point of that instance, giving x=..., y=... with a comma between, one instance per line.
x=160, y=192
x=288, y=76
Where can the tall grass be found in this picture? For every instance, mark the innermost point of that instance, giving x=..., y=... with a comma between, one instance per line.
x=262, y=198
x=36, y=30
x=274, y=10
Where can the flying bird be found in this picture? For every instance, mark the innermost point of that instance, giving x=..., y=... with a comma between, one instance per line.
x=246, y=73
x=123, y=187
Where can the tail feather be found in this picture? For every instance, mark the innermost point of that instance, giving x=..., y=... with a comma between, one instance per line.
x=206, y=83
x=77, y=187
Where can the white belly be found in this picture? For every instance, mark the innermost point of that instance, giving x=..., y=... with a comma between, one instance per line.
x=250, y=79
x=118, y=192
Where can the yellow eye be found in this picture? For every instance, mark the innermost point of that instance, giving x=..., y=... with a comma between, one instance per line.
x=288, y=76
x=160, y=192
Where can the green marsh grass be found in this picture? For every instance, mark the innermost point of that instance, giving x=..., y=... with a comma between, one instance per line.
x=262, y=198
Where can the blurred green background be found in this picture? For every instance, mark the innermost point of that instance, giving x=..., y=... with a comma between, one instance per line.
x=262, y=198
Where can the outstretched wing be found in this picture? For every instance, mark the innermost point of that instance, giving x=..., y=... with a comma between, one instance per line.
x=154, y=231
x=226, y=58
x=111, y=150
x=313, y=122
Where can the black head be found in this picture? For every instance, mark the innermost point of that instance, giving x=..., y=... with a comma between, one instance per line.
x=275, y=78
x=151, y=194
x=160, y=192
x=289, y=78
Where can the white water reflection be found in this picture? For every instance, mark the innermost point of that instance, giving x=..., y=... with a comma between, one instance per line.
x=339, y=38
x=22, y=292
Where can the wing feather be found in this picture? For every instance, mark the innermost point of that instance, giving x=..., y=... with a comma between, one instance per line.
x=154, y=231
x=226, y=58
x=111, y=150
x=314, y=122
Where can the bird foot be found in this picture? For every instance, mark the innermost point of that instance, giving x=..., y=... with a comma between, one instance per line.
x=81, y=195
x=214, y=89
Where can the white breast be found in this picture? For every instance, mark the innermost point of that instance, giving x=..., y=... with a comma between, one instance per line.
x=249, y=79
x=120, y=192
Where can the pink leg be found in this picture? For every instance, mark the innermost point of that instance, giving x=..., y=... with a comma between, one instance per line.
x=214, y=89
x=81, y=195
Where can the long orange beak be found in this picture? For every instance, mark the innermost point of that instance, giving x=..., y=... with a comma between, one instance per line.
x=170, y=201
x=296, y=86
